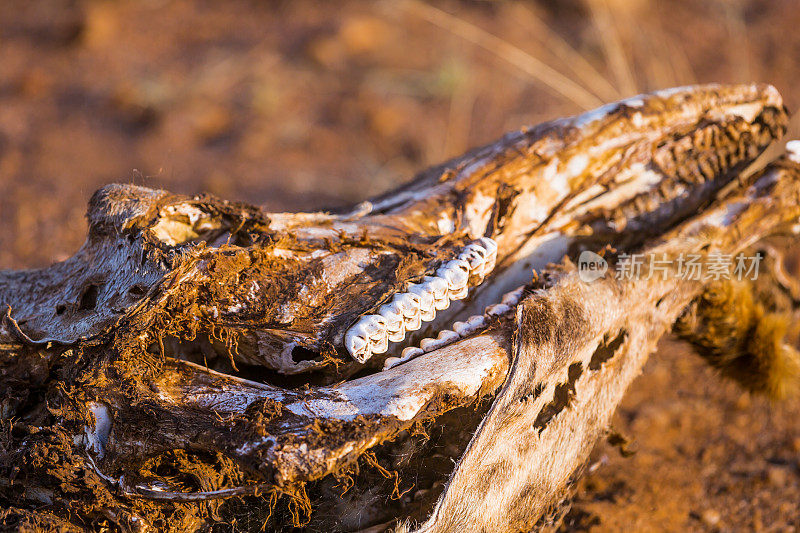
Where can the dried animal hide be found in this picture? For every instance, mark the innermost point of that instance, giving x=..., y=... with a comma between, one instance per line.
x=199, y=360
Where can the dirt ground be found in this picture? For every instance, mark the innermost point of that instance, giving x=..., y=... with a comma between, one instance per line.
x=303, y=105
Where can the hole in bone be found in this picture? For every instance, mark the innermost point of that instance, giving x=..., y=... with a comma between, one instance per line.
x=88, y=299
x=565, y=392
x=60, y=308
x=299, y=353
x=562, y=396
x=606, y=350
x=137, y=291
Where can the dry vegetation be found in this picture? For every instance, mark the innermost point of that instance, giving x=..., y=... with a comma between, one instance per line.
x=299, y=105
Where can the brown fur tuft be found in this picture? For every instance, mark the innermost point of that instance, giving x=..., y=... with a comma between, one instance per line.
x=733, y=330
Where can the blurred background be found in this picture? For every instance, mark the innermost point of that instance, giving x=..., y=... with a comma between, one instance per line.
x=306, y=105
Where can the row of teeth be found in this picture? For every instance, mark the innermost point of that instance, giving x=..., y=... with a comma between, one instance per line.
x=460, y=329
x=407, y=311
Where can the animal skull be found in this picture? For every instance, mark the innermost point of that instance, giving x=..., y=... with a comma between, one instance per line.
x=289, y=347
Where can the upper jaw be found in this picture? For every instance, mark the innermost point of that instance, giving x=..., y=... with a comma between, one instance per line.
x=291, y=286
x=609, y=176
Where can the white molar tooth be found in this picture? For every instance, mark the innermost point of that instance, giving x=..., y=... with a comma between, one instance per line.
x=413, y=323
x=391, y=362
x=429, y=344
x=356, y=340
x=397, y=335
x=410, y=353
x=374, y=325
x=459, y=294
x=513, y=297
x=442, y=303
x=491, y=253
x=456, y=272
x=380, y=344
x=393, y=315
x=409, y=304
x=427, y=308
x=497, y=309
x=490, y=245
x=448, y=336
x=476, y=321
x=488, y=266
x=475, y=256
x=462, y=328
x=437, y=285
x=427, y=314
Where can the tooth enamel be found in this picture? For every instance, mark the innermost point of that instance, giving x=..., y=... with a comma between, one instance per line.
x=491, y=253
x=411, y=351
x=356, y=340
x=475, y=256
x=406, y=312
x=476, y=321
x=393, y=315
x=407, y=354
x=490, y=245
x=396, y=335
x=513, y=297
x=410, y=307
x=395, y=323
x=460, y=294
x=445, y=337
x=437, y=285
x=448, y=336
x=497, y=309
x=426, y=301
x=380, y=344
x=429, y=344
x=456, y=272
x=373, y=324
x=391, y=362
x=375, y=327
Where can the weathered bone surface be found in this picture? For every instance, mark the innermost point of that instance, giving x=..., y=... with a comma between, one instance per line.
x=186, y=325
x=577, y=349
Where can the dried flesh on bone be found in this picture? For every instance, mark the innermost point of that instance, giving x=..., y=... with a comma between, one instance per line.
x=262, y=285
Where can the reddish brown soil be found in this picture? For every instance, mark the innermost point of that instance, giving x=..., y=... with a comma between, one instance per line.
x=299, y=105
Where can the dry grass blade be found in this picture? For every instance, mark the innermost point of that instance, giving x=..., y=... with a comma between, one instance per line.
x=612, y=45
x=517, y=57
x=573, y=59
